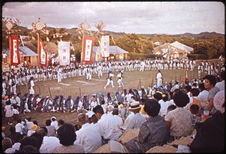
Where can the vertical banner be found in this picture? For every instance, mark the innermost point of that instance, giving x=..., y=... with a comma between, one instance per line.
x=104, y=46
x=41, y=53
x=87, y=52
x=64, y=53
x=14, y=51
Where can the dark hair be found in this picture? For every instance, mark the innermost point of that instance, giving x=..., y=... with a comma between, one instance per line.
x=39, y=138
x=61, y=122
x=98, y=109
x=6, y=143
x=201, y=86
x=151, y=107
x=66, y=134
x=194, y=109
x=165, y=98
x=115, y=111
x=171, y=107
x=222, y=75
x=157, y=96
x=28, y=149
x=180, y=98
x=31, y=140
x=48, y=122
x=211, y=78
x=188, y=88
x=194, y=91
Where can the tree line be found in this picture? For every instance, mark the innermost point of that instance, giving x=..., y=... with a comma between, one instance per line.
x=206, y=45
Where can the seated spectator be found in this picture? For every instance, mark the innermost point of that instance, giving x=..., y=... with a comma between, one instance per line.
x=152, y=132
x=54, y=122
x=210, y=133
x=210, y=82
x=203, y=95
x=194, y=92
x=88, y=135
x=19, y=127
x=29, y=123
x=108, y=130
x=60, y=123
x=170, y=108
x=31, y=141
x=6, y=143
x=67, y=136
x=221, y=83
x=51, y=129
x=32, y=130
x=49, y=143
x=195, y=114
x=134, y=119
x=179, y=121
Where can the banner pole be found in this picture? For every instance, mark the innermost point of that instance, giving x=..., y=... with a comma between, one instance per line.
x=38, y=49
x=82, y=47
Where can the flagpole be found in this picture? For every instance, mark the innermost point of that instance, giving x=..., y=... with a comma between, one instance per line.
x=38, y=49
x=82, y=46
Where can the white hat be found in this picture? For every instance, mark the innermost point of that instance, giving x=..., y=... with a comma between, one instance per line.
x=90, y=114
x=53, y=117
x=134, y=105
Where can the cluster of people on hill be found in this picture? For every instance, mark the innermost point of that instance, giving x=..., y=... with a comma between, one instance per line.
x=163, y=114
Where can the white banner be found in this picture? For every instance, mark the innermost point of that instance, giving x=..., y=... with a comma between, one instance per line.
x=104, y=46
x=15, y=57
x=64, y=53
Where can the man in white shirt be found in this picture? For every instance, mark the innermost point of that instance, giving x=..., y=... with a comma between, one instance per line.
x=107, y=128
x=88, y=135
x=19, y=127
x=49, y=143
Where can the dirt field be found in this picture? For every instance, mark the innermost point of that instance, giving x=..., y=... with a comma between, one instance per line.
x=78, y=86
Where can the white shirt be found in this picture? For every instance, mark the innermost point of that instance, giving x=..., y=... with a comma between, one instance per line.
x=108, y=129
x=29, y=123
x=49, y=143
x=164, y=106
x=134, y=121
x=89, y=137
x=220, y=85
x=19, y=127
x=203, y=96
x=55, y=124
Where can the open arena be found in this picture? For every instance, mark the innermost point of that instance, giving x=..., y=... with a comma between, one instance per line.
x=79, y=86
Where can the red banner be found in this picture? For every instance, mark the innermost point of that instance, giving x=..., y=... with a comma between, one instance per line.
x=87, y=52
x=14, y=51
x=42, y=56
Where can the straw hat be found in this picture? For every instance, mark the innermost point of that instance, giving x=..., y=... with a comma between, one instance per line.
x=134, y=105
x=34, y=127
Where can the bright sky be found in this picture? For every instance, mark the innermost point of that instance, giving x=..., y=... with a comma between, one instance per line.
x=129, y=17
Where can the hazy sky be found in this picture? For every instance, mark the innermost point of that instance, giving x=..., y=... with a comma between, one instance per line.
x=130, y=17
